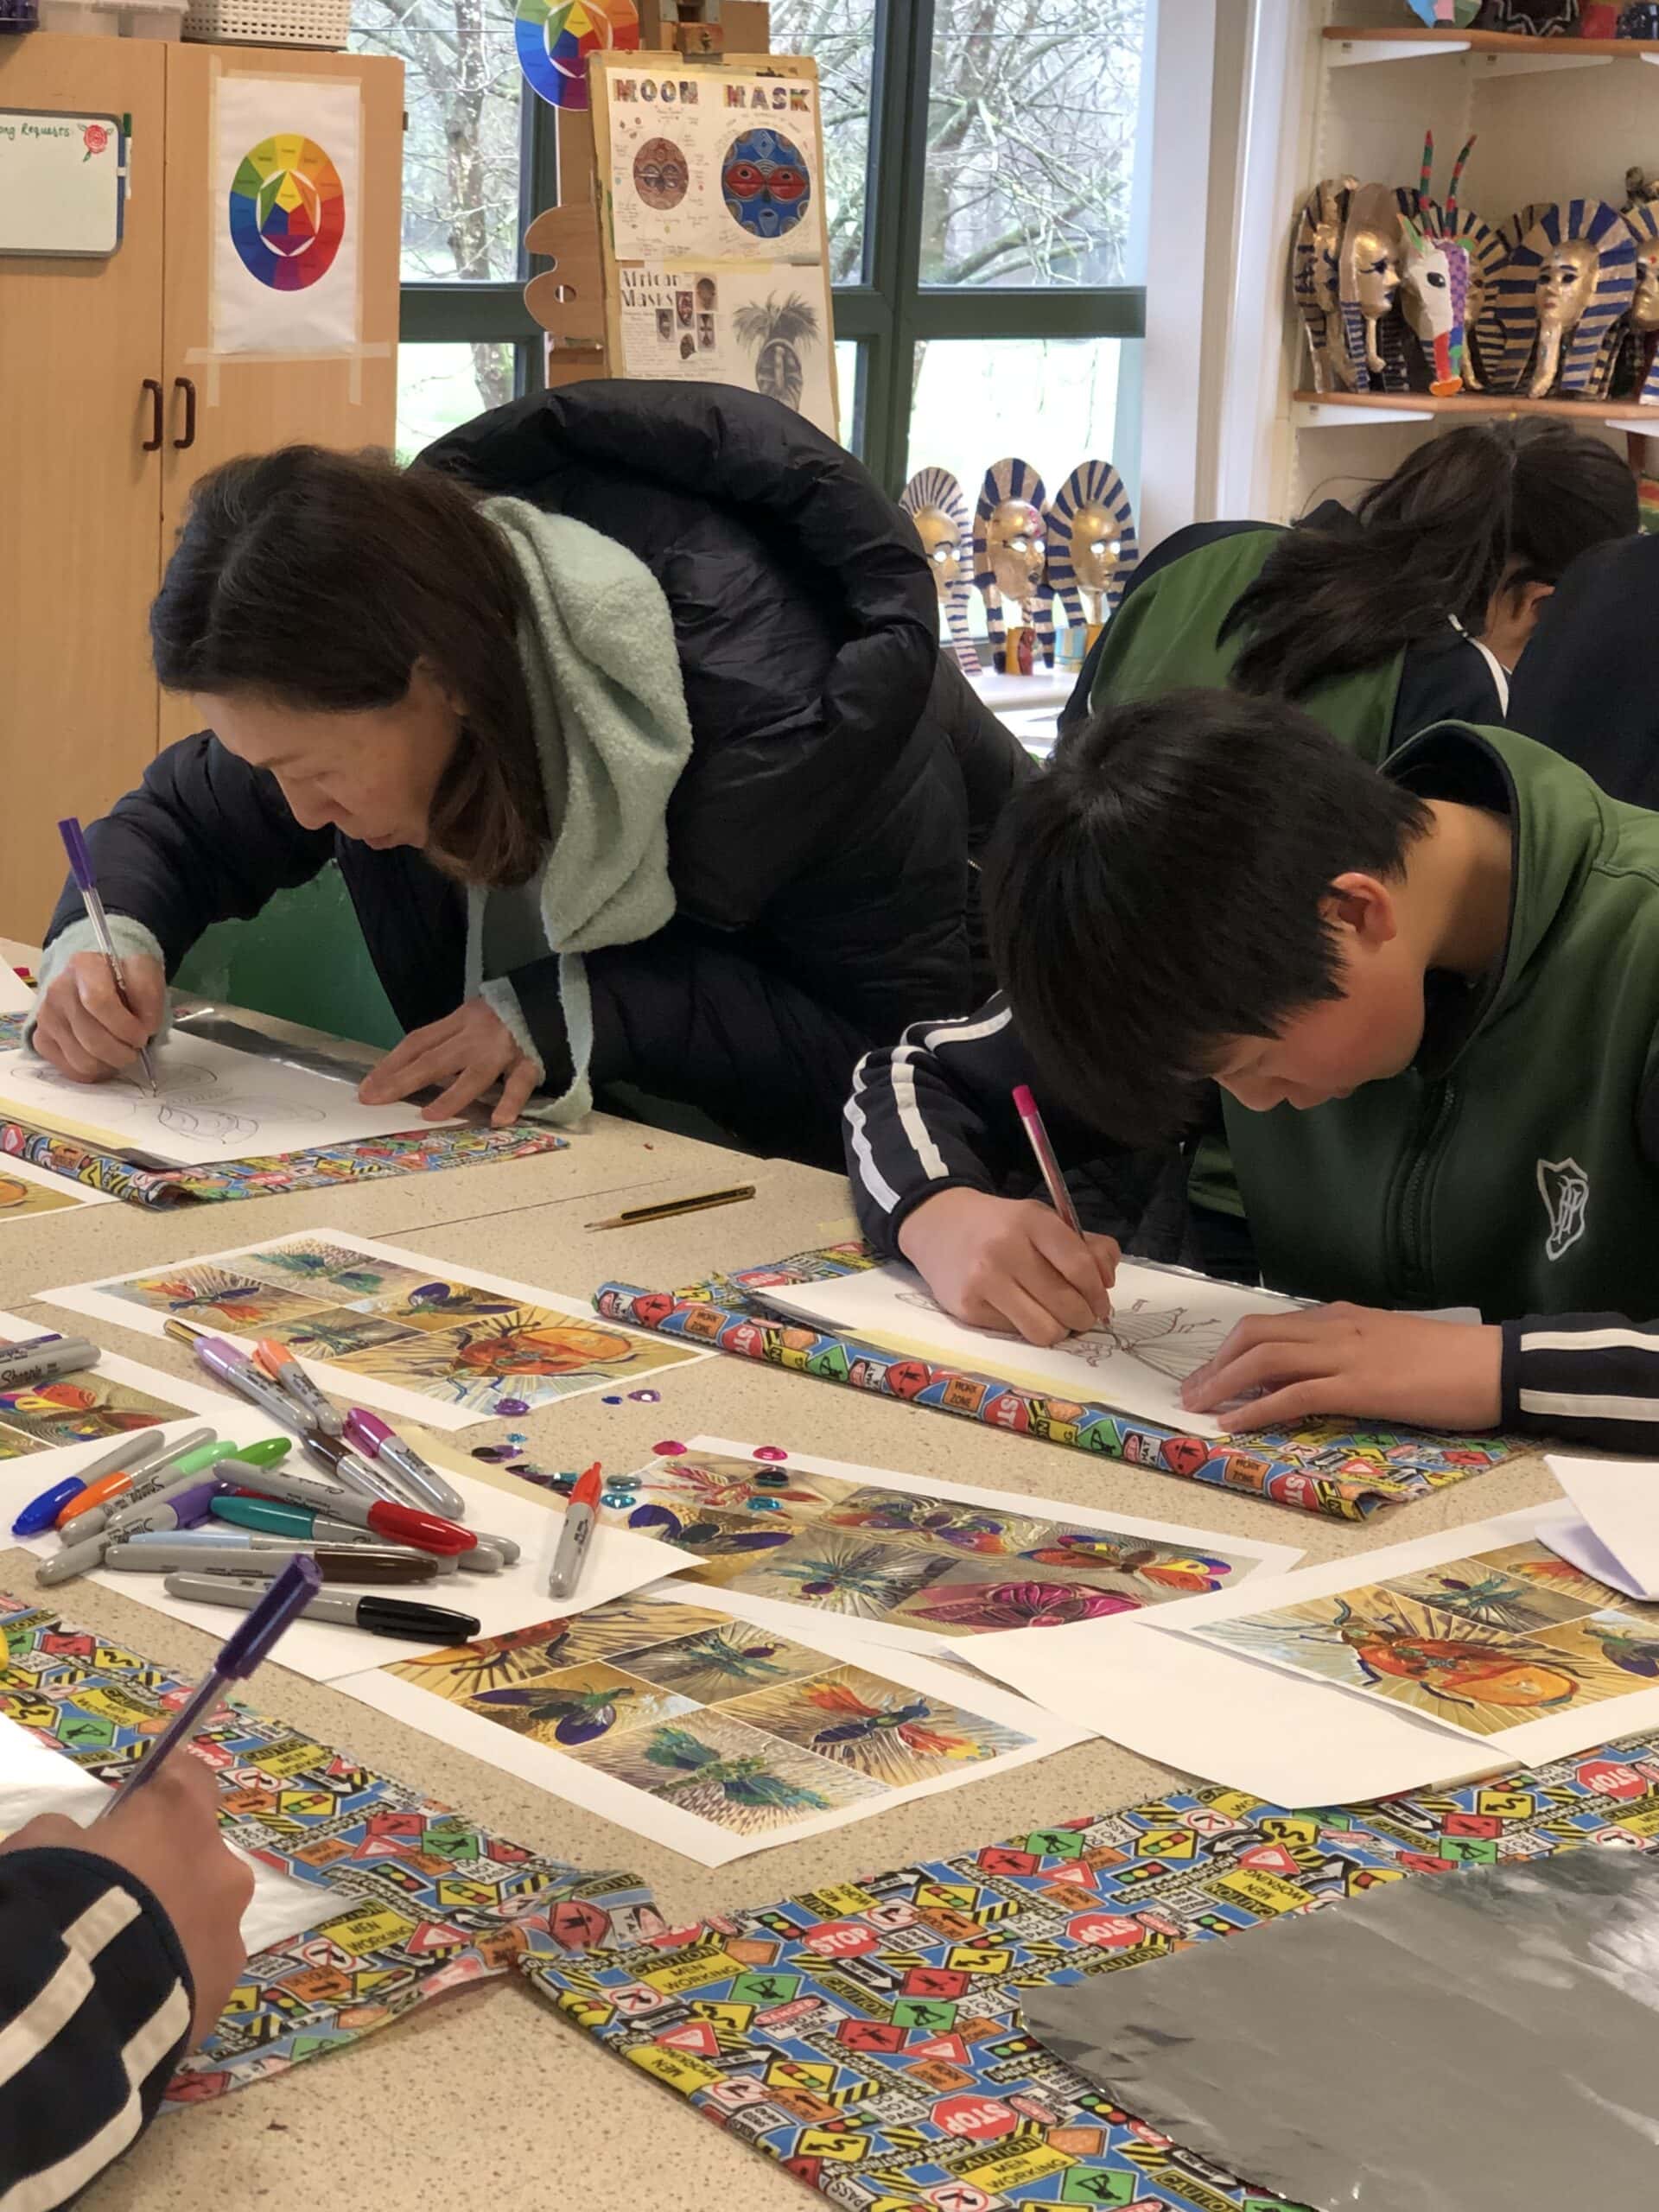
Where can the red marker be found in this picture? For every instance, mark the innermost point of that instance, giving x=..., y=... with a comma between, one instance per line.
x=398, y=1524
x=579, y=1515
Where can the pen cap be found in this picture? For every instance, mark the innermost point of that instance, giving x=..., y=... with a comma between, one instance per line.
x=366, y=1432
x=80, y=860
x=293, y=1590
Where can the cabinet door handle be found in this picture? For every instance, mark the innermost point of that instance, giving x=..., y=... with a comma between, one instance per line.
x=153, y=442
x=184, y=444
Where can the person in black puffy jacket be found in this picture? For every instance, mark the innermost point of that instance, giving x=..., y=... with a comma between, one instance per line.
x=488, y=685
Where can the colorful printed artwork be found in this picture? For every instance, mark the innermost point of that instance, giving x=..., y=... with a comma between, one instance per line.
x=713, y=1736
x=1478, y=1644
x=554, y=39
x=789, y=1531
x=84, y=1408
x=19, y=1198
x=393, y=1332
x=287, y=212
x=765, y=182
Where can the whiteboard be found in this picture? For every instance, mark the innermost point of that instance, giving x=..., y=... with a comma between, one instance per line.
x=61, y=183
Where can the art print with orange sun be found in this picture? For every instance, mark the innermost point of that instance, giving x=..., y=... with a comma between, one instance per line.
x=1483, y=1644
x=383, y=1328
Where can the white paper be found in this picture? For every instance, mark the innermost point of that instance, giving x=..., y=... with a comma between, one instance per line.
x=768, y=329
x=35, y=1779
x=287, y=206
x=601, y=1355
x=1142, y=1681
x=702, y=1840
x=28, y=1192
x=1619, y=1501
x=16, y=996
x=689, y=148
x=859, y=1616
x=212, y=1103
x=1164, y=1324
x=620, y=1561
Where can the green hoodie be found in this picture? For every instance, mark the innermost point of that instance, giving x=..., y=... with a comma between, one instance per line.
x=1167, y=636
x=1515, y=1165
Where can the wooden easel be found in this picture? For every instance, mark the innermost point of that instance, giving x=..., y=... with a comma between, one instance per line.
x=573, y=300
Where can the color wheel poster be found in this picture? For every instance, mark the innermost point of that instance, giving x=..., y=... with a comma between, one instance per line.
x=768, y=329
x=286, y=199
x=713, y=165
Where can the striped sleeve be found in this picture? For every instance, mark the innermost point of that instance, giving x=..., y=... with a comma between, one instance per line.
x=936, y=1113
x=1589, y=1378
x=95, y=2005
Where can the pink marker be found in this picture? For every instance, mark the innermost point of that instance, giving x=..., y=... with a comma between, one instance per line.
x=1059, y=1197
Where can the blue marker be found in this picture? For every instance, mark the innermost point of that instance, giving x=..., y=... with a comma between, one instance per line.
x=40, y=1513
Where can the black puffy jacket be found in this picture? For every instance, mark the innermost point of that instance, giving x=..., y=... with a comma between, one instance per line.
x=820, y=839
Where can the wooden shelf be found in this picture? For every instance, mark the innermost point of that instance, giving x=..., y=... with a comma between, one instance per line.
x=1506, y=53
x=1312, y=410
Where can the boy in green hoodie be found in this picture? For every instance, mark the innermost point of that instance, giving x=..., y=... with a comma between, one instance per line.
x=1429, y=995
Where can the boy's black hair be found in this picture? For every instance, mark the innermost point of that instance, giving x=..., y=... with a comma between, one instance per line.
x=1157, y=893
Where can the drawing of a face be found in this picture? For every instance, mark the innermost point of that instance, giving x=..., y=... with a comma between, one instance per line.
x=766, y=183
x=660, y=174
x=566, y=1350
x=1016, y=549
x=1095, y=548
x=942, y=542
x=1566, y=281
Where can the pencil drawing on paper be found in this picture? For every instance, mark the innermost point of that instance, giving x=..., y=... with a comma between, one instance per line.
x=1162, y=1339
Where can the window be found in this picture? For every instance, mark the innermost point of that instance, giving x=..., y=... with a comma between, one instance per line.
x=983, y=183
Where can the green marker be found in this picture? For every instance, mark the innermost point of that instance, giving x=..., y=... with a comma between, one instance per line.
x=166, y=1471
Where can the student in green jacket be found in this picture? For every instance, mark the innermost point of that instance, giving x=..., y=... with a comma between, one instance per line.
x=1410, y=610
x=1429, y=996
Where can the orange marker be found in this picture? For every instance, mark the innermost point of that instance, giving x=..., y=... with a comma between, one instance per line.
x=107, y=1489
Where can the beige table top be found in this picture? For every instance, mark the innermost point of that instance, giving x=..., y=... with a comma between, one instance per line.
x=492, y=2096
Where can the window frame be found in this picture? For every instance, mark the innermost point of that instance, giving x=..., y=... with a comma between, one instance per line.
x=886, y=315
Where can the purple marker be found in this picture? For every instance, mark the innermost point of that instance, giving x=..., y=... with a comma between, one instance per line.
x=183, y=1510
x=80, y=866
x=367, y=1433
x=287, y=1596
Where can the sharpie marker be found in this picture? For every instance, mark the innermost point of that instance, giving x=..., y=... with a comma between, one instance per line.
x=279, y=1363
x=224, y=1361
x=269, y=1555
x=158, y=1477
x=41, y=1513
x=125, y=1475
x=579, y=1518
x=38, y=1359
x=338, y=1460
x=398, y=1524
x=367, y=1433
x=268, y=1517
x=180, y=1512
x=132, y=1513
x=379, y=1616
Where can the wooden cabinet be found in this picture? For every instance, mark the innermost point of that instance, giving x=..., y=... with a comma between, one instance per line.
x=99, y=357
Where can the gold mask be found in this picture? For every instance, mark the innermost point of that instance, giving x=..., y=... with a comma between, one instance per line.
x=1095, y=548
x=942, y=542
x=1016, y=550
x=1566, y=281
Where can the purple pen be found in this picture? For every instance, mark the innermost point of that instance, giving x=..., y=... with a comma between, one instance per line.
x=80, y=866
x=367, y=1433
x=287, y=1596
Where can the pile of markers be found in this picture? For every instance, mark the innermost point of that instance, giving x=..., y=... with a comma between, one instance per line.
x=220, y=1521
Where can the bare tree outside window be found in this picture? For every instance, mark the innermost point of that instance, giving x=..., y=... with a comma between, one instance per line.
x=463, y=220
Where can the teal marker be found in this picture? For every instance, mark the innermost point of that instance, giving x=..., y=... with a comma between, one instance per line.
x=266, y=1514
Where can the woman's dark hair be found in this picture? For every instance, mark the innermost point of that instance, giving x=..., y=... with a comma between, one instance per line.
x=1464, y=515
x=1158, y=893
x=320, y=579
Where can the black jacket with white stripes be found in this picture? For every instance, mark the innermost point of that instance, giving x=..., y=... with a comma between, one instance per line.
x=936, y=1113
x=95, y=2005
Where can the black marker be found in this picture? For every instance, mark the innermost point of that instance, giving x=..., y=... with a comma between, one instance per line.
x=379, y=1616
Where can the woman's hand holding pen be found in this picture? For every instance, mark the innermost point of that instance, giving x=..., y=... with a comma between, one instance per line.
x=168, y=1836
x=465, y=1053
x=1010, y=1264
x=82, y=1028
